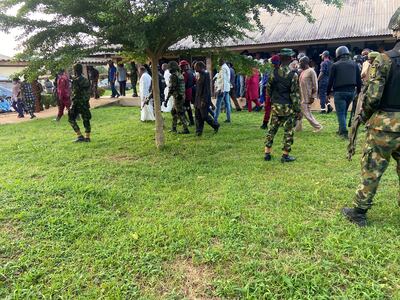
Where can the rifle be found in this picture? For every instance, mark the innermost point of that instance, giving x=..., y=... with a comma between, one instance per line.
x=353, y=110
x=356, y=123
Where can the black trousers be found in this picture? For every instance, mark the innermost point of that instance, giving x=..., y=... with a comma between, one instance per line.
x=122, y=88
x=202, y=117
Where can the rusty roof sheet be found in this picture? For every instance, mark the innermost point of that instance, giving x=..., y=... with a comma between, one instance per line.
x=357, y=18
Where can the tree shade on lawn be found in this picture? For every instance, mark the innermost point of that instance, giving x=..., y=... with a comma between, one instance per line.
x=76, y=28
x=206, y=218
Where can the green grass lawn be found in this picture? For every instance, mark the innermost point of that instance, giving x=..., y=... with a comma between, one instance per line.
x=206, y=218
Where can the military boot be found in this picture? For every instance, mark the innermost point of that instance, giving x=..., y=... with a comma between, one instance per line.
x=356, y=215
x=267, y=157
x=80, y=139
x=264, y=126
x=287, y=158
x=185, y=131
x=216, y=128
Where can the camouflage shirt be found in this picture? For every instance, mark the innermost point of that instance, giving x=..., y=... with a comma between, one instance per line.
x=80, y=90
x=285, y=109
x=380, y=120
x=177, y=86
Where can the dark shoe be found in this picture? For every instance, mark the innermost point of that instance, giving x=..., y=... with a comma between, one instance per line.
x=199, y=133
x=87, y=140
x=343, y=135
x=323, y=112
x=185, y=131
x=355, y=215
x=267, y=157
x=287, y=158
x=80, y=139
x=21, y=116
x=33, y=116
x=264, y=126
x=330, y=108
x=238, y=109
x=216, y=128
x=173, y=129
x=227, y=121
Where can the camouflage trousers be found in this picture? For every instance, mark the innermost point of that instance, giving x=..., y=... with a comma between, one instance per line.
x=288, y=123
x=178, y=113
x=380, y=146
x=82, y=109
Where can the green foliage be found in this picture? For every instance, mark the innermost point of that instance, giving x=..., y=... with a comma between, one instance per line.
x=116, y=219
x=48, y=101
x=243, y=64
x=101, y=91
x=69, y=29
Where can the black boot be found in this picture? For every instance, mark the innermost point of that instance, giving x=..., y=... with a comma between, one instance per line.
x=356, y=215
x=185, y=131
x=267, y=157
x=330, y=108
x=287, y=158
x=264, y=126
x=80, y=139
x=216, y=128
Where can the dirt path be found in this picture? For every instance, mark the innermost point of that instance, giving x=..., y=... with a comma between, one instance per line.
x=11, y=118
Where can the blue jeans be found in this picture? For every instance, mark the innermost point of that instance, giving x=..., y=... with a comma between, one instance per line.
x=114, y=92
x=227, y=100
x=342, y=103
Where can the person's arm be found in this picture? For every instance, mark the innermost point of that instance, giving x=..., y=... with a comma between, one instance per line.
x=295, y=94
x=378, y=75
x=314, y=80
x=359, y=82
x=331, y=79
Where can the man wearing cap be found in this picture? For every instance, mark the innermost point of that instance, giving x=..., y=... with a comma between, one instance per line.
x=308, y=92
x=190, y=82
x=381, y=111
x=177, y=90
x=283, y=88
x=323, y=80
x=345, y=79
x=80, y=104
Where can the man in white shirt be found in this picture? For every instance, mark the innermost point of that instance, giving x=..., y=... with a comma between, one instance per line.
x=147, y=113
x=223, y=89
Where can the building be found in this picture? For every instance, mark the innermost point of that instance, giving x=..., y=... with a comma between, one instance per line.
x=358, y=24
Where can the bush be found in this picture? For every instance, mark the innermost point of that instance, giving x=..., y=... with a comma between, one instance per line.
x=48, y=100
x=101, y=91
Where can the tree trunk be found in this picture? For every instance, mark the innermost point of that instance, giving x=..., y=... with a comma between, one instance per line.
x=160, y=139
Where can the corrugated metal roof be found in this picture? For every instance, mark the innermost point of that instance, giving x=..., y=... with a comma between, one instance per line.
x=357, y=18
x=4, y=57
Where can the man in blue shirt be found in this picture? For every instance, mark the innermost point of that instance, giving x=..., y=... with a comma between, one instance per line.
x=112, y=77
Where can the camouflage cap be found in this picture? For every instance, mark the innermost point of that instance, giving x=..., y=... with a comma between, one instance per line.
x=394, y=23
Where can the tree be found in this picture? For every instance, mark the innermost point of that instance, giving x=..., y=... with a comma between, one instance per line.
x=62, y=30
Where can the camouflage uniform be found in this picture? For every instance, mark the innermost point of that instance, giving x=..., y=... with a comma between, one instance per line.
x=383, y=137
x=80, y=103
x=177, y=90
x=284, y=115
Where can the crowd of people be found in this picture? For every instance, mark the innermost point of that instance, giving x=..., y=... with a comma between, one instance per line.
x=26, y=97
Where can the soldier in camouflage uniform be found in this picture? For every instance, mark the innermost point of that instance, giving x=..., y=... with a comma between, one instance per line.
x=177, y=90
x=80, y=104
x=283, y=88
x=381, y=112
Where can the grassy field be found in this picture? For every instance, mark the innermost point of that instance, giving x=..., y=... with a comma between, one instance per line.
x=206, y=218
